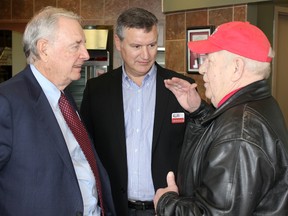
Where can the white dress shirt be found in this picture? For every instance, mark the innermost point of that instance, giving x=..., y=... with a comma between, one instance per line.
x=82, y=168
x=139, y=110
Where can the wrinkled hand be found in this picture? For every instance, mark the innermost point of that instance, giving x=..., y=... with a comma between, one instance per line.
x=185, y=93
x=171, y=187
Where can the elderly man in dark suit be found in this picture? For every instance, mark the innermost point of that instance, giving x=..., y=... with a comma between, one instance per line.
x=44, y=168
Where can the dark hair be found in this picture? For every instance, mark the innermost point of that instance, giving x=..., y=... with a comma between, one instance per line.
x=135, y=18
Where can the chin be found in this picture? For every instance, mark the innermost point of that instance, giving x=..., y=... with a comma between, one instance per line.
x=208, y=95
x=77, y=74
x=76, y=77
x=145, y=68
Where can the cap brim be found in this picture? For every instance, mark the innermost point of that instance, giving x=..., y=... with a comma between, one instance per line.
x=203, y=47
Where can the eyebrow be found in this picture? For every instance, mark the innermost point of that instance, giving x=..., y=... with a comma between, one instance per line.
x=137, y=44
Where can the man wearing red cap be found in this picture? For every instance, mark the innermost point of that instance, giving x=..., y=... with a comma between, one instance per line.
x=235, y=162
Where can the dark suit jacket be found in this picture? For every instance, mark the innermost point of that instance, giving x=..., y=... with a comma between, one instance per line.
x=102, y=111
x=37, y=176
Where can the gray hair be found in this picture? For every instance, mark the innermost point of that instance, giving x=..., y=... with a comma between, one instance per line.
x=262, y=69
x=43, y=26
x=135, y=18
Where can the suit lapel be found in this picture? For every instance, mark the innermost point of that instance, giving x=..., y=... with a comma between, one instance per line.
x=162, y=98
x=45, y=115
x=118, y=110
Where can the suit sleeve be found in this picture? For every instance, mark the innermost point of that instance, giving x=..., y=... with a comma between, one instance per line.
x=6, y=132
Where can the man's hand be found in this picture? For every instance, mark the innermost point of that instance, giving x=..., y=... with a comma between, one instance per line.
x=171, y=187
x=185, y=93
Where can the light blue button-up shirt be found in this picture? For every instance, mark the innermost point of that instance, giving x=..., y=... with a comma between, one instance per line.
x=139, y=110
x=83, y=171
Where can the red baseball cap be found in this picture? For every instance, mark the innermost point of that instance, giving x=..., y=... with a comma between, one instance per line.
x=240, y=38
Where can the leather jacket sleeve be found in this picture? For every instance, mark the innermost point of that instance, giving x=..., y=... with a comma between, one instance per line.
x=170, y=204
x=201, y=113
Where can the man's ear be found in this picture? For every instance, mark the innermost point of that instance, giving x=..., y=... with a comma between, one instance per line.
x=239, y=65
x=42, y=46
x=117, y=42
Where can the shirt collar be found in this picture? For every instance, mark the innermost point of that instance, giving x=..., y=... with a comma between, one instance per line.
x=227, y=97
x=49, y=89
x=148, y=77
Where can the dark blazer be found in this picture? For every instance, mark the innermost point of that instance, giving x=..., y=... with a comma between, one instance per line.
x=37, y=176
x=102, y=111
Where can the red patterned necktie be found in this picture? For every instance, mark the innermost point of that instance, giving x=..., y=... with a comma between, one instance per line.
x=81, y=135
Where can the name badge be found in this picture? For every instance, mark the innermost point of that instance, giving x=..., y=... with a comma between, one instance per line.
x=178, y=118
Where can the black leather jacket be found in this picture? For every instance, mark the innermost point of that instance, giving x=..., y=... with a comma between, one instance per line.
x=236, y=162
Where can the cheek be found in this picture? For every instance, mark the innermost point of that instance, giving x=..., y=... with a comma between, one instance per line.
x=212, y=87
x=215, y=85
x=153, y=52
x=127, y=54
